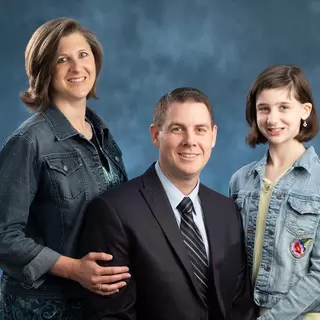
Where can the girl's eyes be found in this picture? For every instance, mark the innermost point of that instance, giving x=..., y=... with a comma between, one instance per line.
x=263, y=109
x=266, y=109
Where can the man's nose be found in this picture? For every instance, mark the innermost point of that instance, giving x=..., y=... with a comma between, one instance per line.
x=189, y=138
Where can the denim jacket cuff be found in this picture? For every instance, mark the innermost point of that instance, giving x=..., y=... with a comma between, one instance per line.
x=40, y=265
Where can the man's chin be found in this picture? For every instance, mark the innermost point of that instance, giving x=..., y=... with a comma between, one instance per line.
x=190, y=174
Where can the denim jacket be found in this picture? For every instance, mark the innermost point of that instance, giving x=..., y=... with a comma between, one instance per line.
x=288, y=279
x=48, y=173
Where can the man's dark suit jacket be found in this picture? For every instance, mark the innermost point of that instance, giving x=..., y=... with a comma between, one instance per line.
x=135, y=223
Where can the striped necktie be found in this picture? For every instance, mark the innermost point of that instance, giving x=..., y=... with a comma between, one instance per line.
x=195, y=246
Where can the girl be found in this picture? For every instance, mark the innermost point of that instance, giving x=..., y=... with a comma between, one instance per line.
x=279, y=196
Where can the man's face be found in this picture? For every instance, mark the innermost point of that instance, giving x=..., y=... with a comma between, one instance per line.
x=185, y=140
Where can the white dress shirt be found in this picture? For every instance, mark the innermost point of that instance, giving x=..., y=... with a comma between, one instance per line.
x=175, y=196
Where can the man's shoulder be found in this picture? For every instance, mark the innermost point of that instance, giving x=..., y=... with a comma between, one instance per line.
x=213, y=195
x=132, y=188
x=217, y=203
x=123, y=191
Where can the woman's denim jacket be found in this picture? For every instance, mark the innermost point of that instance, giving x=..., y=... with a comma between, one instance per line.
x=288, y=280
x=48, y=173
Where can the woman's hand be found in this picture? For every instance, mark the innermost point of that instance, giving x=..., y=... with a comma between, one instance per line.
x=86, y=271
x=101, y=280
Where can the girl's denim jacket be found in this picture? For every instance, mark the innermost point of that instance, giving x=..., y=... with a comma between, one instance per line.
x=48, y=174
x=288, y=279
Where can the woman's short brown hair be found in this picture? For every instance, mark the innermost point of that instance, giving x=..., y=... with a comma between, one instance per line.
x=41, y=55
x=275, y=77
x=182, y=95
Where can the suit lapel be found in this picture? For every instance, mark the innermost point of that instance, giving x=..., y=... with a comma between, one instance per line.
x=160, y=207
x=215, y=238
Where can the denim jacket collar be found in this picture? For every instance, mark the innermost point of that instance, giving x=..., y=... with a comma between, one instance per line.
x=306, y=161
x=61, y=126
x=97, y=122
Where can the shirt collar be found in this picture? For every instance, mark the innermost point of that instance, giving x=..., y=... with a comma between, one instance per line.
x=174, y=195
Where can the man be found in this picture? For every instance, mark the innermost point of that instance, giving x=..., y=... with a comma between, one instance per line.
x=183, y=242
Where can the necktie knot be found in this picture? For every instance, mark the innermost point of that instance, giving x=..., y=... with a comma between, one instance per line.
x=185, y=206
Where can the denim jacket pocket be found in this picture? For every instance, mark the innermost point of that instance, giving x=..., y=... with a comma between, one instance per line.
x=65, y=171
x=302, y=215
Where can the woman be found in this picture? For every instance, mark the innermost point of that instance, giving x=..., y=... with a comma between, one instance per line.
x=50, y=168
x=279, y=196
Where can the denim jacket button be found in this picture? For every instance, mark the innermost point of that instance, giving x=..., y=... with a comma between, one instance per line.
x=271, y=231
x=116, y=158
x=267, y=268
x=280, y=196
x=65, y=168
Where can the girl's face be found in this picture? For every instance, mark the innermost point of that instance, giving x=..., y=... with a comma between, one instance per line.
x=280, y=115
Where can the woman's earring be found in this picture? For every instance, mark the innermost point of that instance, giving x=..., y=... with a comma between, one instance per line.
x=305, y=123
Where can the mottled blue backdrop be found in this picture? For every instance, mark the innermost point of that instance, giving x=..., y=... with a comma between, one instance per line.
x=153, y=46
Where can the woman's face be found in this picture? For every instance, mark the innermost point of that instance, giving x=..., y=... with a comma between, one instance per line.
x=74, y=73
